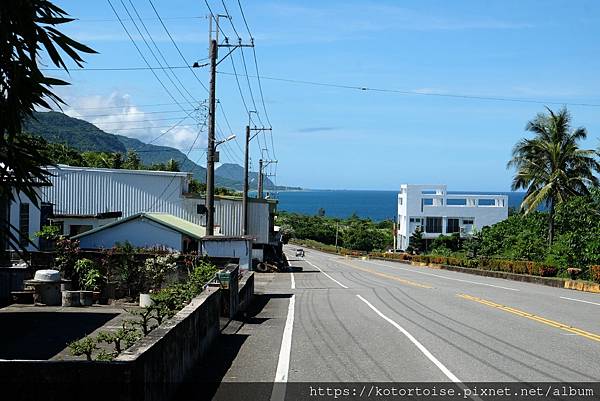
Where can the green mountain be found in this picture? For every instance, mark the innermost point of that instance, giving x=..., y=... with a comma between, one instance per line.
x=57, y=127
x=235, y=172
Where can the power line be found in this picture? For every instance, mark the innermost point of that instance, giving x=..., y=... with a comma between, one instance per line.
x=168, y=67
x=128, y=114
x=177, y=47
x=145, y=19
x=166, y=72
x=137, y=121
x=408, y=92
x=143, y=57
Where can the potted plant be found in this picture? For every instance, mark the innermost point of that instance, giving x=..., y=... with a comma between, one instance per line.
x=156, y=270
x=89, y=280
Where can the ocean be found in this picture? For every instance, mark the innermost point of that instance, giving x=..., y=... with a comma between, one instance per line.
x=376, y=205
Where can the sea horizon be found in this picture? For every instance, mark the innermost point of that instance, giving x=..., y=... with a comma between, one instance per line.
x=376, y=205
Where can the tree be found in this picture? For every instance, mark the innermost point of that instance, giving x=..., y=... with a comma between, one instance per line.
x=27, y=28
x=551, y=166
x=172, y=165
x=416, y=241
x=117, y=160
x=133, y=161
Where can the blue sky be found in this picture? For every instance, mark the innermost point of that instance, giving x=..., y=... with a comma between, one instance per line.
x=326, y=137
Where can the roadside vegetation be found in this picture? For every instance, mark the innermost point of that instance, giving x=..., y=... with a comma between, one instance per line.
x=352, y=233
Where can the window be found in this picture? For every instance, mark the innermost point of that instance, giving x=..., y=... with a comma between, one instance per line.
x=468, y=221
x=456, y=202
x=428, y=201
x=433, y=224
x=24, y=224
x=400, y=201
x=486, y=202
x=75, y=229
x=453, y=226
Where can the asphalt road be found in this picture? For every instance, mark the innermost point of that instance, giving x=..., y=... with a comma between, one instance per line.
x=336, y=319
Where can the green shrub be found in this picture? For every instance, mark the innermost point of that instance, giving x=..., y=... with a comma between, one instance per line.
x=88, y=273
x=85, y=346
x=595, y=273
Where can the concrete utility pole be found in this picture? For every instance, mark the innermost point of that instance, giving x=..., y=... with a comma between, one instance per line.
x=245, y=196
x=262, y=164
x=337, y=229
x=247, y=173
x=210, y=154
x=260, y=179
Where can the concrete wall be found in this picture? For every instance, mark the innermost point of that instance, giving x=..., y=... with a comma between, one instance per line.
x=150, y=371
x=139, y=233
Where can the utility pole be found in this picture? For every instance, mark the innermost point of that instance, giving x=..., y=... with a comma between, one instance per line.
x=260, y=179
x=337, y=229
x=245, y=230
x=261, y=165
x=245, y=196
x=211, y=155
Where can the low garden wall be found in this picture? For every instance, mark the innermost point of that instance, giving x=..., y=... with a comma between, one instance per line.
x=152, y=369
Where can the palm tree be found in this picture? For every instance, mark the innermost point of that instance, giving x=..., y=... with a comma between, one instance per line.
x=27, y=27
x=551, y=166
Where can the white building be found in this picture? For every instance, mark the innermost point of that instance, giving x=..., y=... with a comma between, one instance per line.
x=431, y=208
x=25, y=220
x=85, y=198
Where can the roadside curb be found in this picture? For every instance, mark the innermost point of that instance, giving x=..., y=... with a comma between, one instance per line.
x=583, y=286
x=551, y=282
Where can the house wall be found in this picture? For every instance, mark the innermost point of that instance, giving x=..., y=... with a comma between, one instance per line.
x=34, y=218
x=88, y=191
x=421, y=201
x=139, y=233
x=230, y=248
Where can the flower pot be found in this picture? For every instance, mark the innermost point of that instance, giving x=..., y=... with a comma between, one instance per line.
x=96, y=296
x=145, y=300
x=70, y=298
x=86, y=298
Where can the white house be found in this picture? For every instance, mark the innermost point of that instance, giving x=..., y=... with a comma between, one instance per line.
x=145, y=230
x=431, y=208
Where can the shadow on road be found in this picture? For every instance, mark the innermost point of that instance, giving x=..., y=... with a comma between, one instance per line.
x=204, y=382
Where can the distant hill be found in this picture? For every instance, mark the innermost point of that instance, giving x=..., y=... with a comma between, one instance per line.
x=235, y=172
x=57, y=127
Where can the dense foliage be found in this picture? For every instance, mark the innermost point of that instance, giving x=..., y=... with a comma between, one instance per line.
x=352, y=233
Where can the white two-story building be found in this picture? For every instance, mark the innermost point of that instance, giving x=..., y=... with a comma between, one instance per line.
x=431, y=208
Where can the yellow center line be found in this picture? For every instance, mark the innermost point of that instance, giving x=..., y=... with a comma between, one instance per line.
x=531, y=316
x=408, y=282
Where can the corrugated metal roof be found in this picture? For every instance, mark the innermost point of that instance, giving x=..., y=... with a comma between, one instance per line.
x=167, y=220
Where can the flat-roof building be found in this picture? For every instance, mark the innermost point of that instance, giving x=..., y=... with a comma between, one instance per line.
x=436, y=212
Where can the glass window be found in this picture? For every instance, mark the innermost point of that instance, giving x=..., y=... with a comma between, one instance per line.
x=486, y=202
x=468, y=221
x=456, y=202
x=433, y=224
x=453, y=226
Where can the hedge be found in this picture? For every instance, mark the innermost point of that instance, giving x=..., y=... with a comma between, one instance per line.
x=509, y=266
x=595, y=273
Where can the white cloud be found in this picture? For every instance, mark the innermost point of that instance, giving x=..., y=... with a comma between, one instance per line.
x=117, y=114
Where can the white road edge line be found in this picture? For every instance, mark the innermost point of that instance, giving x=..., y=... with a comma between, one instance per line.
x=283, y=364
x=420, y=346
x=444, y=277
x=581, y=300
x=331, y=278
x=293, y=281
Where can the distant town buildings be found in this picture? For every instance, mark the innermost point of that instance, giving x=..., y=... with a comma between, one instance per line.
x=436, y=212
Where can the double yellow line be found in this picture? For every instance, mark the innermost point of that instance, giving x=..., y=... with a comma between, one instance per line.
x=388, y=276
x=530, y=316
